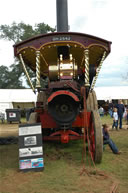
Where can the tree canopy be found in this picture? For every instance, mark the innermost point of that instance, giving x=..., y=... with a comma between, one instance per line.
x=12, y=77
x=21, y=31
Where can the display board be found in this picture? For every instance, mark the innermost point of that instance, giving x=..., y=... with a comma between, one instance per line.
x=30, y=147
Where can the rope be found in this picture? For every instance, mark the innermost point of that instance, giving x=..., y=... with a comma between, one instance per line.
x=87, y=127
x=85, y=121
x=113, y=188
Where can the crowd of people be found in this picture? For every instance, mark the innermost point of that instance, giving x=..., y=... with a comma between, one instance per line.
x=118, y=112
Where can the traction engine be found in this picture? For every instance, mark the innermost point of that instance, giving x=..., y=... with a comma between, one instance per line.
x=71, y=63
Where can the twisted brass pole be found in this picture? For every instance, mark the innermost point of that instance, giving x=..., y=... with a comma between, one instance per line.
x=98, y=70
x=86, y=54
x=38, y=69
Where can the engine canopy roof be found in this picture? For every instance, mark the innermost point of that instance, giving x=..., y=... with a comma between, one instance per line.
x=47, y=45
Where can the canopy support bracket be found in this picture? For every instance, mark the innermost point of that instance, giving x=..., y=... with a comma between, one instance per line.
x=98, y=70
x=26, y=72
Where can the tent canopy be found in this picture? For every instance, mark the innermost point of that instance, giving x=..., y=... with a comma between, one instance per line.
x=17, y=95
x=27, y=95
x=109, y=93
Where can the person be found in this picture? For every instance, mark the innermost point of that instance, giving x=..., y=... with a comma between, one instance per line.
x=110, y=106
x=120, y=108
x=115, y=119
x=101, y=111
x=108, y=140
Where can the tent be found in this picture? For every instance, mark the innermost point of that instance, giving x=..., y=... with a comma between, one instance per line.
x=112, y=93
x=11, y=98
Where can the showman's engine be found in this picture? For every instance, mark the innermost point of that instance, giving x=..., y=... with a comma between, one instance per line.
x=71, y=62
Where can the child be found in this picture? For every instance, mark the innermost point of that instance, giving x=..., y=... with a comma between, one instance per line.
x=115, y=119
x=108, y=140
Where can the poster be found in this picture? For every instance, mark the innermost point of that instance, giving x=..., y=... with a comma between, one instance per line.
x=31, y=140
x=25, y=164
x=31, y=163
x=29, y=130
x=34, y=151
x=37, y=163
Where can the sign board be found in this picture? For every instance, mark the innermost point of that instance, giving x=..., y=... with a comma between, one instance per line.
x=30, y=147
x=61, y=38
x=12, y=115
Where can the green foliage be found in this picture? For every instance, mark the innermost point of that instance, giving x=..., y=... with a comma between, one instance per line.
x=10, y=77
x=17, y=33
x=41, y=28
x=43, y=81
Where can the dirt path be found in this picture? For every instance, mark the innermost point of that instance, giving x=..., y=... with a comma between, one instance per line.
x=8, y=130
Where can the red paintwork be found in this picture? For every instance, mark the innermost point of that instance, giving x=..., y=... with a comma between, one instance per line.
x=62, y=92
x=58, y=138
x=92, y=138
x=80, y=120
x=65, y=135
x=83, y=120
x=48, y=122
x=63, y=84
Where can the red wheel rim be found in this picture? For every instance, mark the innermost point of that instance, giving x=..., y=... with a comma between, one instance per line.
x=92, y=139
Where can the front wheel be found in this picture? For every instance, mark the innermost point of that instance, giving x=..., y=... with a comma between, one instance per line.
x=33, y=117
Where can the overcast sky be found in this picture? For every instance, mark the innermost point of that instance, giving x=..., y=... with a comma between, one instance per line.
x=107, y=19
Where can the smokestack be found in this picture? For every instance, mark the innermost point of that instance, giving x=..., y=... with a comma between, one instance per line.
x=62, y=15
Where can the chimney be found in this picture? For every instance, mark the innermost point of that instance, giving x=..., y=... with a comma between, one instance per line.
x=62, y=15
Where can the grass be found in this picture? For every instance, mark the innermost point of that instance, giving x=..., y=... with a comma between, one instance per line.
x=23, y=120
x=64, y=169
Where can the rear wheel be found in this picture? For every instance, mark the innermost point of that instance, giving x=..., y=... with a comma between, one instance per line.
x=95, y=103
x=95, y=137
x=92, y=103
x=89, y=102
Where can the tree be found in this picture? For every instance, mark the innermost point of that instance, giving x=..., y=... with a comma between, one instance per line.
x=10, y=77
x=17, y=33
